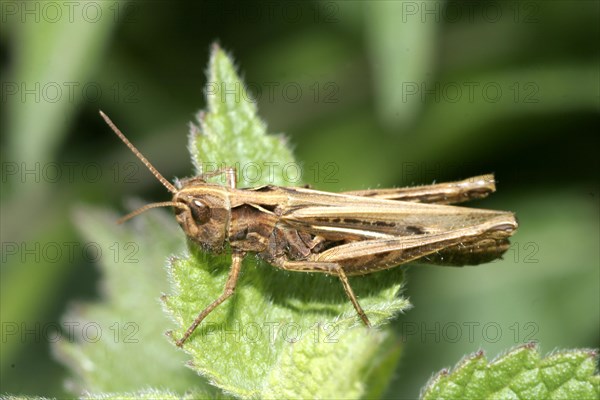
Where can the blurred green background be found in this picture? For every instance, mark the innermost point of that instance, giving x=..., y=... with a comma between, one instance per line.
x=383, y=93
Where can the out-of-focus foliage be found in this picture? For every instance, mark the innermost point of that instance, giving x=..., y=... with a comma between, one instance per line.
x=369, y=93
x=519, y=374
x=125, y=327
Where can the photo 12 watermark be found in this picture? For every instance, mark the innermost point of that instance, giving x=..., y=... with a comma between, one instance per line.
x=70, y=331
x=292, y=172
x=468, y=331
x=69, y=12
x=71, y=92
x=69, y=172
x=521, y=252
x=269, y=332
x=53, y=252
x=274, y=92
x=471, y=92
x=470, y=12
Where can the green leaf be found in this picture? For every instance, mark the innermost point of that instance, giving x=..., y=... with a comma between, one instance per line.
x=151, y=394
x=520, y=374
x=230, y=133
x=282, y=334
x=23, y=397
x=118, y=343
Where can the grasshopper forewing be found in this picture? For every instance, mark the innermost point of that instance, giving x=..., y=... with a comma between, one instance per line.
x=341, y=234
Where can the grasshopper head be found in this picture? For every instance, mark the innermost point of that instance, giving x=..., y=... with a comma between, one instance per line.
x=203, y=216
x=203, y=210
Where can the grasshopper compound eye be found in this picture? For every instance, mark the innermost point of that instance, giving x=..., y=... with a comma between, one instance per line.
x=200, y=211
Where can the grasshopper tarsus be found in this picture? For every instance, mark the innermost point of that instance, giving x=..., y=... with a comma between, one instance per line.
x=350, y=293
x=342, y=234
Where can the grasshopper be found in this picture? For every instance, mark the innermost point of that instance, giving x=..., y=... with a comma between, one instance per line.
x=341, y=234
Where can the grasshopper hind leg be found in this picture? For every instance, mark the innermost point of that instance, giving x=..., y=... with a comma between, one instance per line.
x=330, y=269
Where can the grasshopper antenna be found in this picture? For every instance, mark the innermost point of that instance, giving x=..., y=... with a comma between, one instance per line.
x=148, y=207
x=139, y=155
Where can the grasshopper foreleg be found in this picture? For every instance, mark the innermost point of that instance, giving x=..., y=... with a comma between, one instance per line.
x=236, y=265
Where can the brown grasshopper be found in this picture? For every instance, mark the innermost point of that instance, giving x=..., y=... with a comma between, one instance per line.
x=341, y=234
